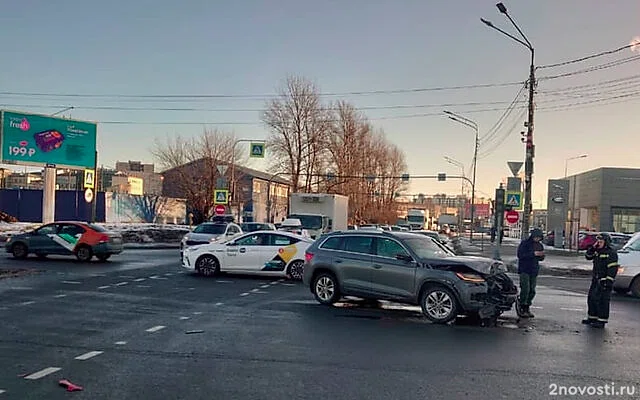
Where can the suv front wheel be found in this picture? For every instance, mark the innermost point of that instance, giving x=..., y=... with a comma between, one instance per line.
x=325, y=288
x=439, y=304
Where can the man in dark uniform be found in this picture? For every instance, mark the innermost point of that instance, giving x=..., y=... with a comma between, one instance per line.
x=605, y=269
x=530, y=253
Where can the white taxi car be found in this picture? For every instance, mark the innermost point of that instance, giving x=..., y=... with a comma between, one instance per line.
x=262, y=252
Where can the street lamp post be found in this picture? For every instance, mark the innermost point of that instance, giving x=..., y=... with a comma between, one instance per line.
x=573, y=200
x=473, y=125
x=530, y=149
x=461, y=166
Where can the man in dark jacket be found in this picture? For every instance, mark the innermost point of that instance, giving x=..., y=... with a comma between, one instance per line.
x=605, y=269
x=530, y=253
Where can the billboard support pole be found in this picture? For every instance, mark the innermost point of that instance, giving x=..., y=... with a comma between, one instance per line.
x=49, y=195
x=97, y=188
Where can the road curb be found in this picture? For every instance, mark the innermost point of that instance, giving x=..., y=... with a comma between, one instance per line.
x=158, y=246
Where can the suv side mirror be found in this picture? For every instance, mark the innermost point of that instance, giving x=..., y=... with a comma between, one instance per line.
x=404, y=257
x=232, y=244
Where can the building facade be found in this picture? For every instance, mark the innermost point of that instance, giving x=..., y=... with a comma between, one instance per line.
x=260, y=196
x=603, y=199
x=151, y=181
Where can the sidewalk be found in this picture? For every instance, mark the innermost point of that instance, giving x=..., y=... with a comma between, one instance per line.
x=555, y=263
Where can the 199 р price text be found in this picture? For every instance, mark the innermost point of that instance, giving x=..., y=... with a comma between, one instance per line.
x=21, y=151
x=588, y=390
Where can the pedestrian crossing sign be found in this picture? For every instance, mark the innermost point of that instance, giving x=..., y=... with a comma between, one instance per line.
x=89, y=179
x=513, y=199
x=221, y=196
x=257, y=150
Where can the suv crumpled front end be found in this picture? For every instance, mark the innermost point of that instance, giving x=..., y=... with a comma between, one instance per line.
x=483, y=286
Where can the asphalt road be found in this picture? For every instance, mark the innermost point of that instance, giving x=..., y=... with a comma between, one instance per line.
x=138, y=327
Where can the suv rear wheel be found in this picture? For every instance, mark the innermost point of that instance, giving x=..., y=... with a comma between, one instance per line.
x=325, y=288
x=439, y=304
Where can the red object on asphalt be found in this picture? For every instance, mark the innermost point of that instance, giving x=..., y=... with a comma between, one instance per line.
x=512, y=217
x=220, y=209
x=70, y=386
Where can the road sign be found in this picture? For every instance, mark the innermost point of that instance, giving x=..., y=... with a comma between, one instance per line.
x=89, y=178
x=515, y=166
x=222, y=169
x=44, y=141
x=257, y=150
x=220, y=196
x=88, y=195
x=220, y=209
x=514, y=184
x=513, y=199
x=512, y=217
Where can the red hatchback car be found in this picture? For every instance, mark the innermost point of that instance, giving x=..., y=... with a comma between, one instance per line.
x=81, y=239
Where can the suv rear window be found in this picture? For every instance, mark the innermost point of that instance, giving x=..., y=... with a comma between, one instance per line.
x=212, y=229
x=359, y=244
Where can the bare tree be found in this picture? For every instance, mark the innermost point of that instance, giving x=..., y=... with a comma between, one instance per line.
x=191, y=167
x=298, y=125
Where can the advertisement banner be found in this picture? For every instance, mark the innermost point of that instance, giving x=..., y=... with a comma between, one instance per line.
x=38, y=140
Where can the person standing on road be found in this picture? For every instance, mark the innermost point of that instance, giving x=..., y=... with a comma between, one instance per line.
x=605, y=269
x=530, y=253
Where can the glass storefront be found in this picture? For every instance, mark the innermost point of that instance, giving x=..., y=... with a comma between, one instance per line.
x=626, y=220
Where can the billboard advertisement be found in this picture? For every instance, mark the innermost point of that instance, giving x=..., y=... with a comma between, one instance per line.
x=42, y=141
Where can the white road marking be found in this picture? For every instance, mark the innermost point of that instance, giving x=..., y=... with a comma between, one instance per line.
x=26, y=303
x=223, y=281
x=273, y=283
x=184, y=318
x=157, y=277
x=219, y=304
x=103, y=287
x=127, y=276
x=244, y=294
x=264, y=286
x=537, y=307
x=572, y=309
x=122, y=283
x=197, y=312
x=288, y=284
x=156, y=328
x=140, y=279
x=143, y=286
x=42, y=373
x=280, y=280
x=121, y=343
x=88, y=355
x=72, y=282
x=255, y=290
x=168, y=274
x=59, y=296
x=2, y=391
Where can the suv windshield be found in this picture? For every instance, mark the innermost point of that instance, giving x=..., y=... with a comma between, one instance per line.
x=309, y=221
x=211, y=229
x=424, y=247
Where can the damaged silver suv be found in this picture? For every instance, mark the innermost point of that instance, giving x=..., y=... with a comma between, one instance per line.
x=407, y=268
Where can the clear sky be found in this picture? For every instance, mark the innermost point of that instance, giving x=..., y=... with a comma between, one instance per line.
x=246, y=47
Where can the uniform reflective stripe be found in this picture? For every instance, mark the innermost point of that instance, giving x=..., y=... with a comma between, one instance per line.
x=603, y=320
x=613, y=264
x=609, y=278
x=604, y=256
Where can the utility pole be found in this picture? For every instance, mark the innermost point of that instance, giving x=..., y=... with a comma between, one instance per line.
x=530, y=148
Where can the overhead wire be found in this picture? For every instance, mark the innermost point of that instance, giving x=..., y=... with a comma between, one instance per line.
x=589, y=57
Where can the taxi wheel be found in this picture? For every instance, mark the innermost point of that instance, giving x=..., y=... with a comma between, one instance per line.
x=84, y=253
x=296, y=269
x=207, y=265
x=635, y=287
x=19, y=251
